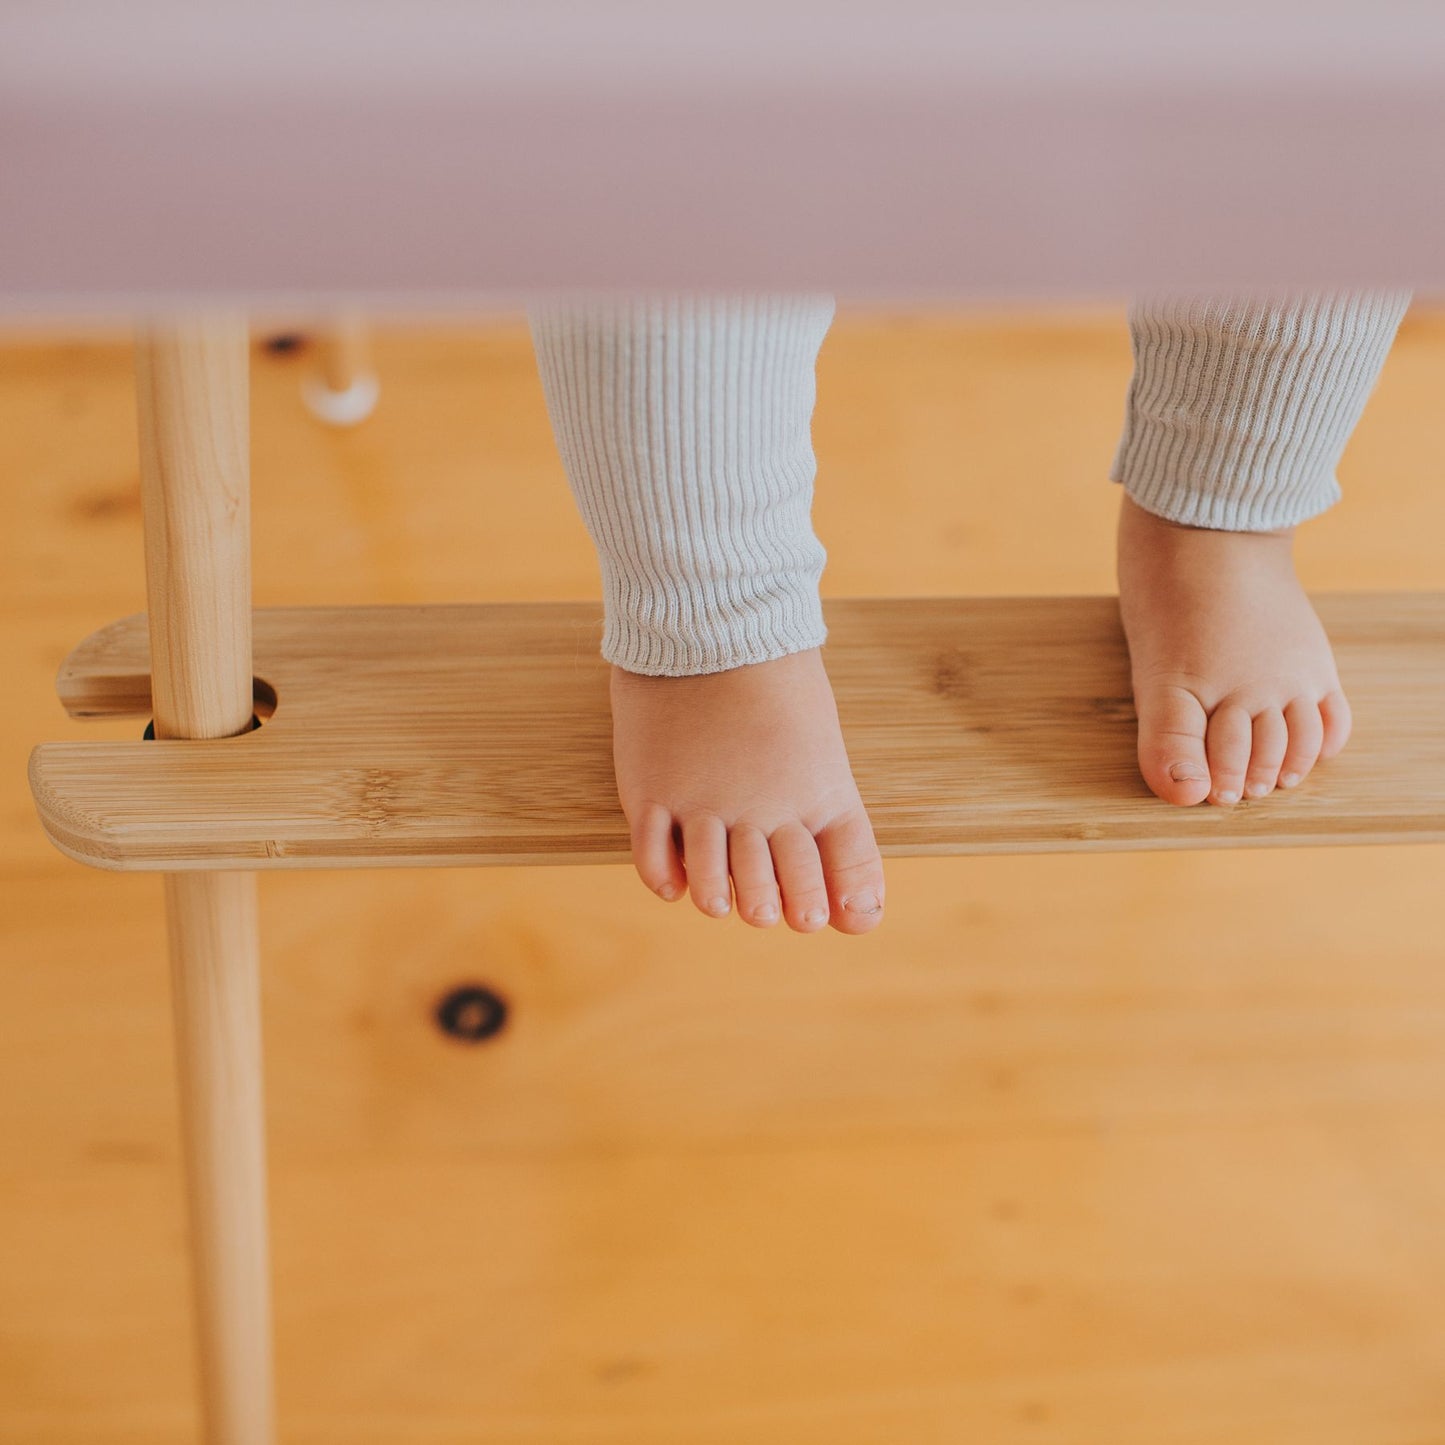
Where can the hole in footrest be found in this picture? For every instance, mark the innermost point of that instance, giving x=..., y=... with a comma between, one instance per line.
x=263, y=699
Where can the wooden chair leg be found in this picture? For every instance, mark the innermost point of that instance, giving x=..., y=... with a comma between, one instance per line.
x=344, y=388
x=193, y=394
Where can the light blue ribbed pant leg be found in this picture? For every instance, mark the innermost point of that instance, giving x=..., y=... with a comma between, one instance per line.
x=684, y=424
x=1240, y=408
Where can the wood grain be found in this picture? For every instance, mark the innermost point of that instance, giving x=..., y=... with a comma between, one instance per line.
x=193, y=402
x=1130, y=1147
x=475, y=735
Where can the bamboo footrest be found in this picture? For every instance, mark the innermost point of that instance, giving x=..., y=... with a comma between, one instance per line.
x=479, y=734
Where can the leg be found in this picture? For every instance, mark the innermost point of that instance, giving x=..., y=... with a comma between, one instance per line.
x=684, y=426
x=344, y=389
x=1238, y=411
x=192, y=389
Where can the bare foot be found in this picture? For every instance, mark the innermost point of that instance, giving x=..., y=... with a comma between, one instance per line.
x=1234, y=680
x=747, y=769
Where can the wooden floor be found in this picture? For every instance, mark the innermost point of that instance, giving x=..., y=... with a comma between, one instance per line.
x=1110, y=1149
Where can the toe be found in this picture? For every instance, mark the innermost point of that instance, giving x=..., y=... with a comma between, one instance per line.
x=800, y=872
x=1227, y=745
x=705, y=855
x=654, y=853
x=1171, y=744
x=755, y=882
x=1271, y=736
x=853, y=872
x=1335, y=714
x=1306, y=733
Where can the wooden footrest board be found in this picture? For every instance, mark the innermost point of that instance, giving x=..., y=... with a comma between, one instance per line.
x=464, y=735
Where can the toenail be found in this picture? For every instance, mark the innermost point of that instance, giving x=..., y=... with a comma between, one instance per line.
x=863, y=903
x=1230, y=797
x=1289, y=780
x=669, y=891
x=717, y=906
x=1257, y=790
x=1187, y=773
x=816, y=915
x=765, y=912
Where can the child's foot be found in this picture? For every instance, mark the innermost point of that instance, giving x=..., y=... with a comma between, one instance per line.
x=1234, y=680
x=747, y=771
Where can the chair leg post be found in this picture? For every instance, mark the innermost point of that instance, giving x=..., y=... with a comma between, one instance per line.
x=193, y=398
x=343, y=388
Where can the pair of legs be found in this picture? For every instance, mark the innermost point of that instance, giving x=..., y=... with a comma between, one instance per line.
x=684, y=426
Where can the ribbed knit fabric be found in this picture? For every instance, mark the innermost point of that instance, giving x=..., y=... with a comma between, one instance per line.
x=684, y=426
x=1239, y=409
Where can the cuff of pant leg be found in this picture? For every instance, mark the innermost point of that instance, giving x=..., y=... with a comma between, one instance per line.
x=1195, y=505
x=685, y=634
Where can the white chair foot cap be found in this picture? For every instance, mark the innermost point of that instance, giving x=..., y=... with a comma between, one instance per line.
x=342, y=408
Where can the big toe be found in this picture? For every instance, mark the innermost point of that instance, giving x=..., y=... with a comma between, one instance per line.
x=1172, y=757
x=853, y=869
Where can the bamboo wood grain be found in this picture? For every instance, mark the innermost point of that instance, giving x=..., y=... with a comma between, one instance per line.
x=195, y=486
x=460, y=735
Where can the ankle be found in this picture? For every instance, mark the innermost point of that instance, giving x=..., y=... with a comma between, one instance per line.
x=1163, y=533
